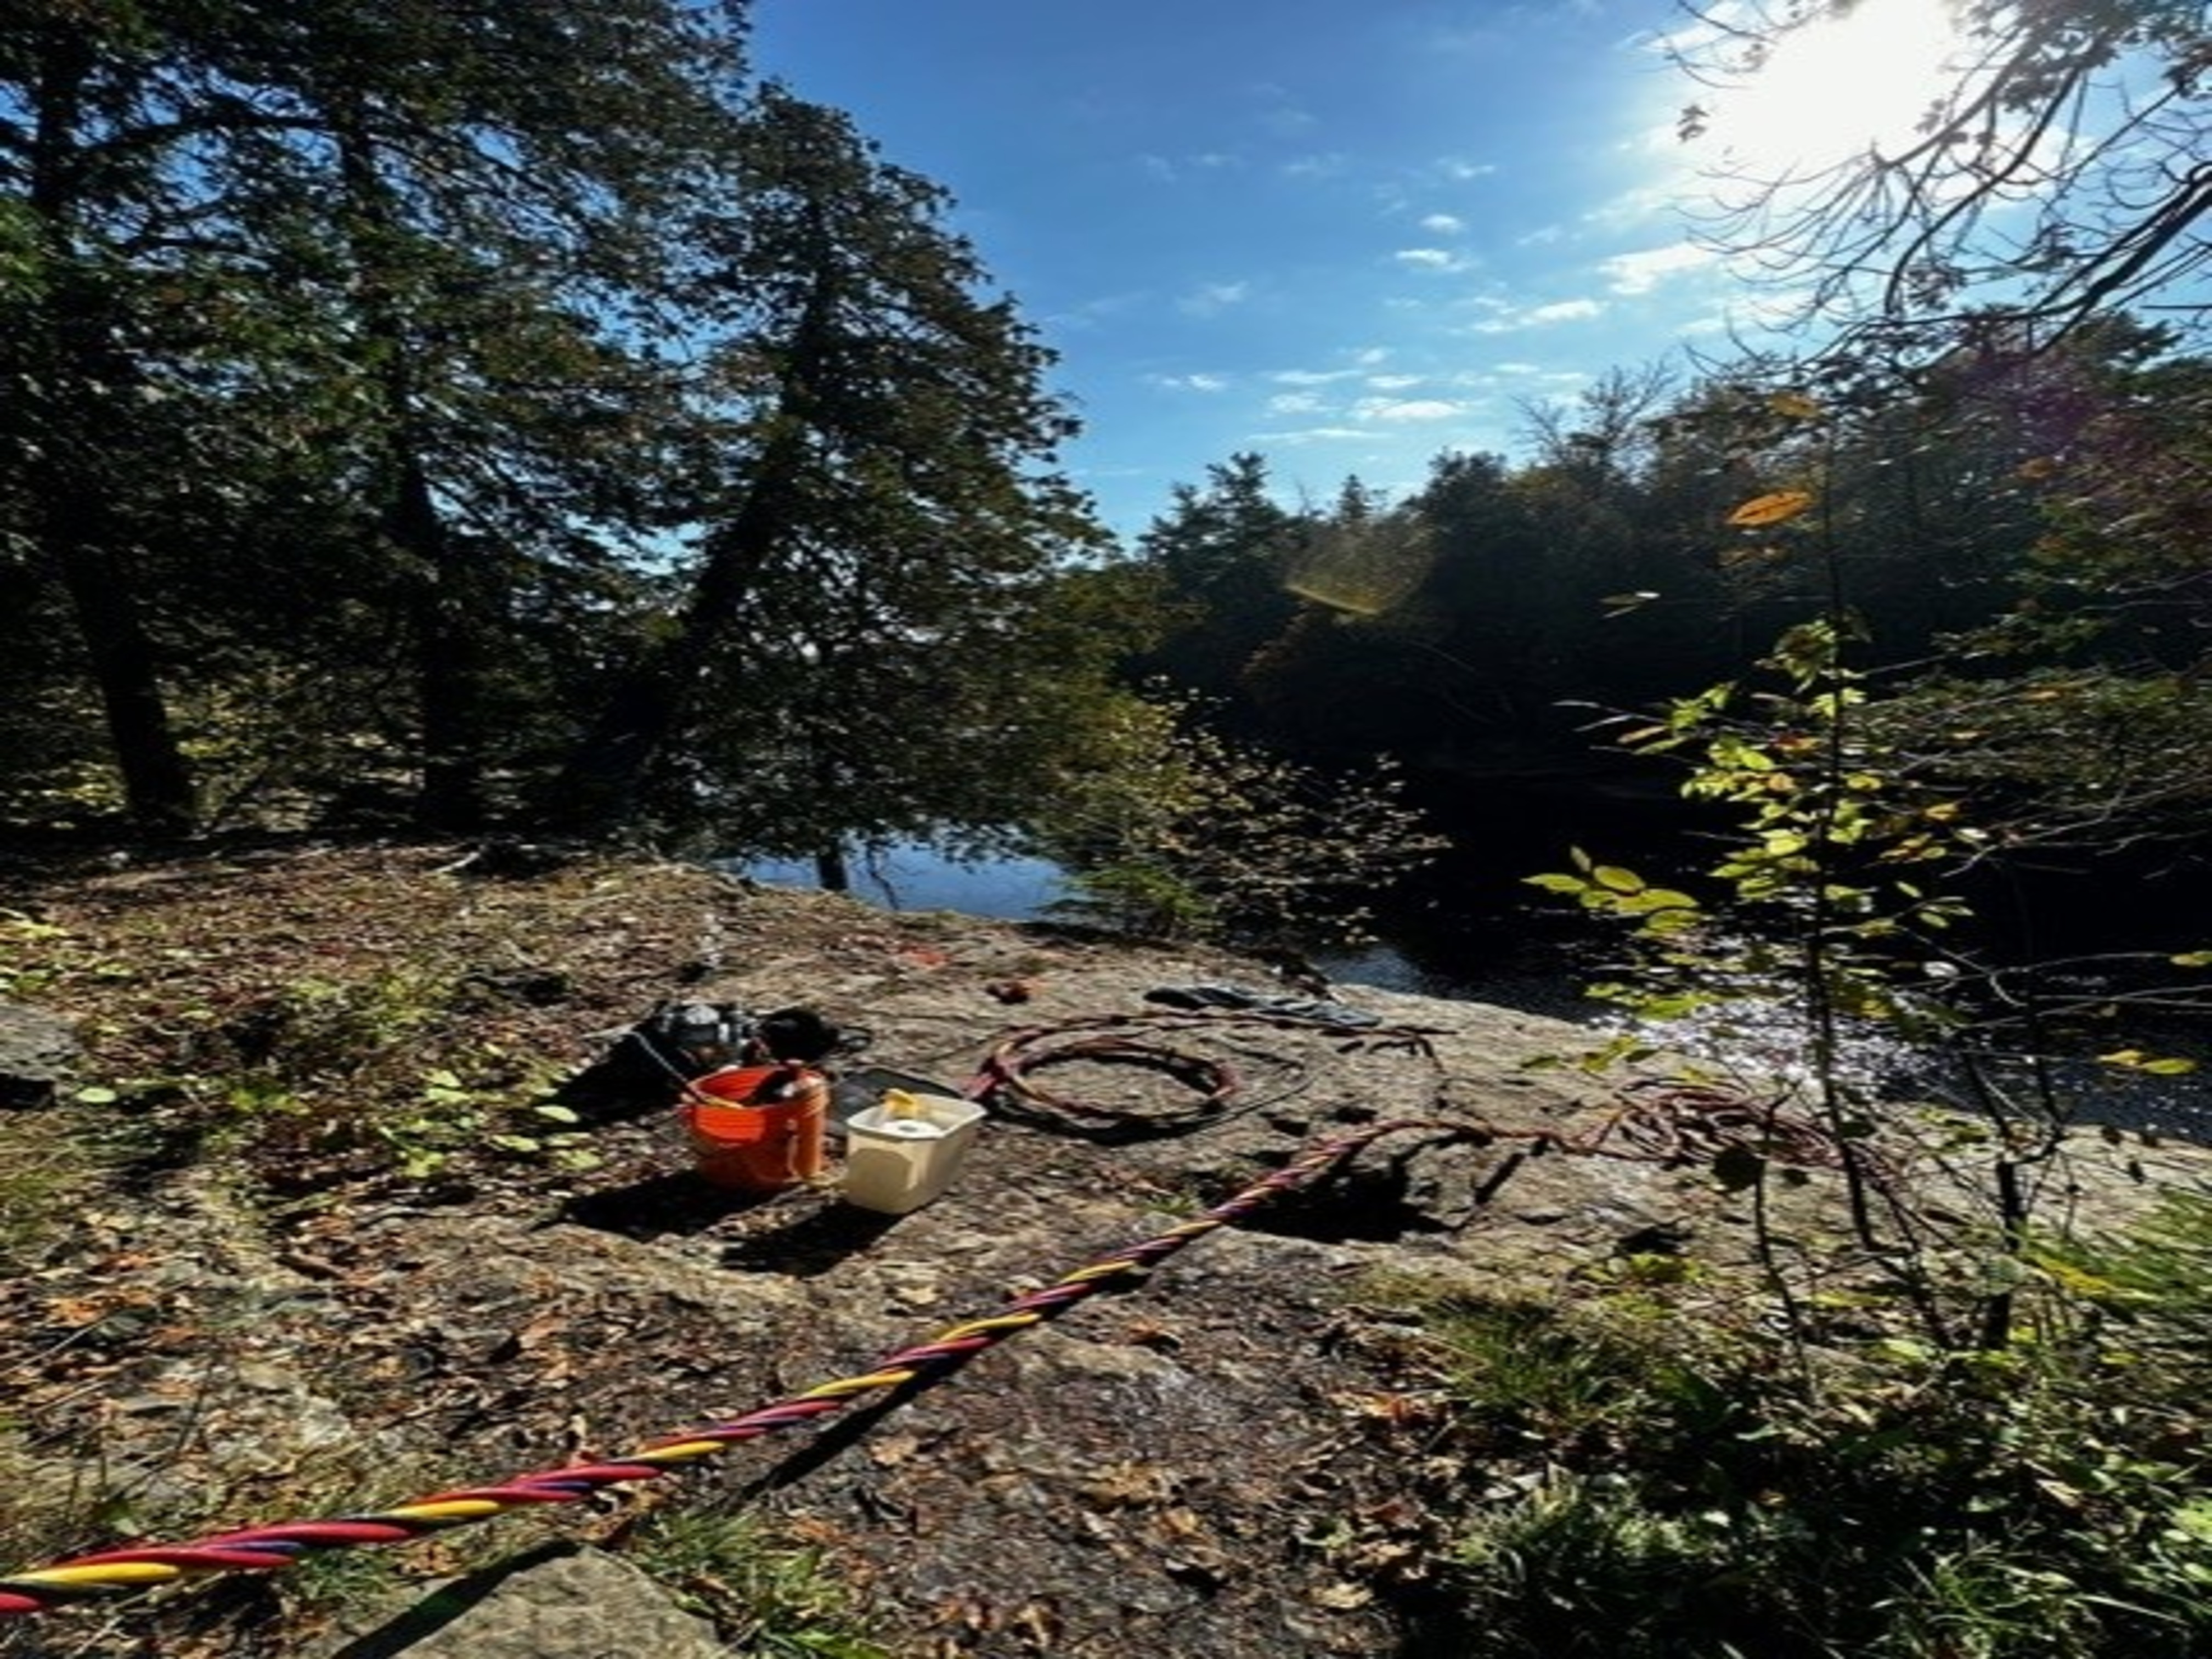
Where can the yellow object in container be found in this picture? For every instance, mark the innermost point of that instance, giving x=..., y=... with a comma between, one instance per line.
x=903, y=1152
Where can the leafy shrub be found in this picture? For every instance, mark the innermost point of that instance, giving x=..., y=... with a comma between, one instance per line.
x=1185, y=835
x=1648, y=1479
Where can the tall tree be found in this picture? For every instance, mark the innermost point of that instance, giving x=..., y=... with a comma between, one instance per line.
x=465, y=195
x=83, y=112
x=854, y=640
x=496, y=186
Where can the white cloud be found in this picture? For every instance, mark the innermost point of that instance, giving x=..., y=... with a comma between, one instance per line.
x=1173, y=169
x=1188, y=382
x=1313, y=435
x=1534, y=373
x=1641, y=272
x=1310, y=376
x=1393, y=382
x=1370, y=357
x=1635, y=207
x=1294, y=403
x=1507, y=318
x=1515, y=377
x=1443, y=224
x=1460, y=171
x=1565, y=311
x=1404, y=409
x=1211, y=299
x=1088, y=313
x=1332, y=164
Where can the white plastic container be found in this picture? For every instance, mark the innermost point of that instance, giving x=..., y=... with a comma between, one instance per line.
x=897, y=1162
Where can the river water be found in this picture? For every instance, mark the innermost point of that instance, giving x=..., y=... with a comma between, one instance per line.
x=1526, y=957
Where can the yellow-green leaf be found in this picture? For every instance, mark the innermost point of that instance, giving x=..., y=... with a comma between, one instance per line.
x=1619, y=880
x=1777, y=508
x=1794, y=404
x=1557, y=883
x=2136, y=1060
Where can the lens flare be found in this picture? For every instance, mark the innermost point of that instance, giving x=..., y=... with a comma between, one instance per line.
x=1362, y=576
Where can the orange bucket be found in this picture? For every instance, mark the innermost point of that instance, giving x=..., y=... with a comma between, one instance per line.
x=758, y=1127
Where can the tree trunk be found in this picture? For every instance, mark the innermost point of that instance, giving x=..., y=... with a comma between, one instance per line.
x=78, y=365
x=600, y=786
x=156, y=785
x=443, y=606
x=449, y=655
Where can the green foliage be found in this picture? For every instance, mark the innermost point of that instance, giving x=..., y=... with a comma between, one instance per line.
x=1185, y=834
x=313, y=378
x=767, y=1594
x=50, y=1175
x=1657, y=1478
x=1220, y=556
x=320, y=1048
x=2153, y=1290
x=1834, y=897
x=1819, y=893
x=879, y=636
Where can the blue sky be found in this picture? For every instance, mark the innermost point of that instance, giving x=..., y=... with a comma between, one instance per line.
x=1347, y=233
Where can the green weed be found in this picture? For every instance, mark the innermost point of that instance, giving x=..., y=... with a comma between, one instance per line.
x=51, y=1171
x=1639, y=1486
x=767, y=1595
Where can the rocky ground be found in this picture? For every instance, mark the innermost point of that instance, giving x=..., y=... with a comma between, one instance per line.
x=292, y=1238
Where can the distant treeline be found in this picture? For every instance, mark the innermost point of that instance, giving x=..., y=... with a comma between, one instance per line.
x=2004, y=511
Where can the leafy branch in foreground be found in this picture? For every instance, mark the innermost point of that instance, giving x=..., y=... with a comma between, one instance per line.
x=1817, y=885
x=1835, y=898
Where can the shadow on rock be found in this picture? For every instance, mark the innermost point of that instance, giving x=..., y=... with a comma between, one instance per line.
x=811, y=1245
x=677, y=1202
x=620, y=1087
x=1368, y=1204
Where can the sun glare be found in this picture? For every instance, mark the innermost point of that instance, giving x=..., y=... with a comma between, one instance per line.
x=1835, y=88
